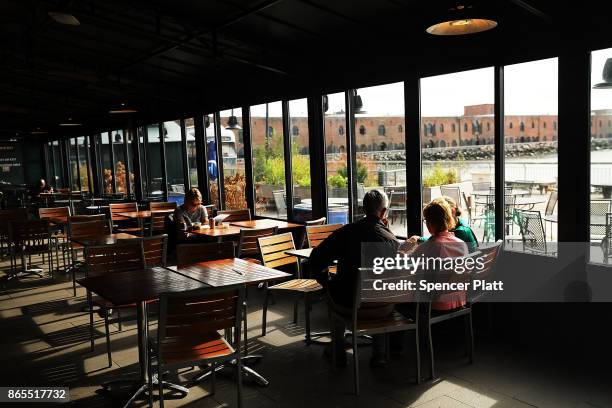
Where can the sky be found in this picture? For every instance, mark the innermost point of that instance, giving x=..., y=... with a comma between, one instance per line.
x=530, y=89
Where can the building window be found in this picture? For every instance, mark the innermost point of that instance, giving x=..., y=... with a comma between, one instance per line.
x=600, y=123
x=465, y=127
x=522, y=127
x=425, y=129
x=341, y=130
x=362, y=130
x=295, y=131
x=488, y=126
x=270, y=131
x=381, y=130
x=544, y=125
x=510, y=126
x=532, y=125
x=453, y=128
x=400, y=129
x=555, y=125
x=441, y=128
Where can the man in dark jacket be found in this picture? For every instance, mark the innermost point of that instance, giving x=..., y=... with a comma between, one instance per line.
x=345, y=246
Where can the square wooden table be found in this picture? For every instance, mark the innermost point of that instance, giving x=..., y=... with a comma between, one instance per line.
x=141, y=286
x=217, y=233
x=141, y=215
x=109, y=239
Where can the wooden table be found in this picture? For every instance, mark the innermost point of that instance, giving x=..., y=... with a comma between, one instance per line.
x=141, y=215
x=218, y=233
x=110, y=239
x=266, y=223
x=140, y=287
x=232, y=271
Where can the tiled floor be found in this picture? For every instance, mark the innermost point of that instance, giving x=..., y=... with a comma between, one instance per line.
x=45, y=341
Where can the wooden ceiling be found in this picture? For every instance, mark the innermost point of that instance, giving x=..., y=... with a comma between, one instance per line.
x=173, y=58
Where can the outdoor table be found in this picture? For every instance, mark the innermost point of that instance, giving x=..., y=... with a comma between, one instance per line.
x=109, y=239
x=227, y=272
x=97, y=208
x=266, y=223
x=141, y=215
x=140, y=287
x=529, y=201
x=218, y=233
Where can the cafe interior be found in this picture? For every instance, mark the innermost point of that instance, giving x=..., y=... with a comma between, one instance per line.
x=278, y=120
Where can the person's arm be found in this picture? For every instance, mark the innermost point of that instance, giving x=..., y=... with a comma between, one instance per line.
x=204, y=219
x=326, y=252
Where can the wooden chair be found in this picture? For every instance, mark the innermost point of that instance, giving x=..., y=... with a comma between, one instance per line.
x=59, y=214
x=236, y=215
x=121, y=223
x=13, y=214
x=394, y=322
x=84, y=218
x=127, y=255
x=315, y=234
x=247, y=244
x=273, y=256
x=82, y=230
x=158, y=221
x=187, y=254
x=488, y=253
x=27, y=238
x=155, y=250
x=188, y=332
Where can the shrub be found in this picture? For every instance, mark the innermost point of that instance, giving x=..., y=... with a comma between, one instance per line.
x=439, y=177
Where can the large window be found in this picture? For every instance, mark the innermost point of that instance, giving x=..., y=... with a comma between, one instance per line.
x=192, y=163
x=121, y=171
x=143, y=161
x=232, y=150
x=174, y=161
x=601, y=156
x=531, y=96
x=460, y=164
x=83, y=148
x=300, y=159
x=336, y=159
x=154, y=163
x=268, y=160
x=107, y=163
x=381, y=164
x=74, y=164
x=212, y=160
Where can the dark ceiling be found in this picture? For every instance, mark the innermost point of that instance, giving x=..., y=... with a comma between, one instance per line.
x=174, y=58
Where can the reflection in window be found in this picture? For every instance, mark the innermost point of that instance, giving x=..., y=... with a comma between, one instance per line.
x=232, y=149
x=268, y=160
x=192, y=163
x=531, y=175
x=84, y=168
x=212, y=161
x=463, y=97
x=121, y=171
x=336, y=161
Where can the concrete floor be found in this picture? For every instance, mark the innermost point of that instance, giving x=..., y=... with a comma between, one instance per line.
x=45, y=341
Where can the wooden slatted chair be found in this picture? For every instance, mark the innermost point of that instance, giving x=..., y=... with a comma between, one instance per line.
x=317, y=233
x=27, y=238
x=318, y=221
x=158, y=221
x=13, y=214
x=58, y=218
x=188, y=332
x=236, y=215
x=83, y=230
x=273, y=256
x=247, y=244
x=394, y=322
x=155, y=250
x=121, y=223
x=127, y=255
x=187, y=254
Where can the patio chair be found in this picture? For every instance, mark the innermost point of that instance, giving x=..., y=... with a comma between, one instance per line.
x=397, y=205
x=598, y=208
x=248, y=248
x=14, y=214
x=188, y=332
x=273, y=255
x=155, y=250
x=158, y=220
x=121, y=223
x=549, y=216
x=315, y=234
x=58, y=218
x=28, y=238
x=453, y=192
x=532, y=232
x=280, y=202
x=481, y=186
x=607, y=242
x=83, y=230
x=395, y=322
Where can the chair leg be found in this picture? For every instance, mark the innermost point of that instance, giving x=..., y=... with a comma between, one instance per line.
x=160, y=384
x=307, y=317
x=245, y=326
x=417, y=350
x=119, y=320
x=431, y=351
x=469, y=331
x=107, y=329
x=91, y=320
x=265, y=313
x=239, y=373
x=355, y=362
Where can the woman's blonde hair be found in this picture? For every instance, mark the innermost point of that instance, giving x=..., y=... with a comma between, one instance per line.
x=439, y=215
x=193, y=194
x=453, y=205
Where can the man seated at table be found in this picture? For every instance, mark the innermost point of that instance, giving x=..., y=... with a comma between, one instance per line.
x=345, y=246
x=41, y=187
x=190, y=212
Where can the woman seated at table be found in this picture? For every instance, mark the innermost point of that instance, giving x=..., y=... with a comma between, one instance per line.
x=461, y=229
x=442, y=244
x=190, y=212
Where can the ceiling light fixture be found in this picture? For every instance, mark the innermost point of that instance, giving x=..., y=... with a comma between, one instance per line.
x=70, y=122
x=232, y=122
x=64, y=18
x=460, y=22
x=606, y=75
x=357, y=103
x=123, y=108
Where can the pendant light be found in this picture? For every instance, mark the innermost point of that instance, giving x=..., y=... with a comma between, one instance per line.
x=70, y=122
x=606, y=76
x=232, y=122
x=461, y=21
x=123, y=108
x=357, y=103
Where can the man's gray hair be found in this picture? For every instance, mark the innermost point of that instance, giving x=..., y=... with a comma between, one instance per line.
x=375, y=201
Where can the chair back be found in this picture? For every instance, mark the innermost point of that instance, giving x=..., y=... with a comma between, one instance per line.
x=488, y=254
x=608, y=243
x=236, y=215
x=598, y=207
x=247, y=245
x=532, y=230
x=13, y=214
x=315, y=234
x=426, y=196
x=273, y=249
x=28, y=232
x=126, y=255
x=453, y=192
x=87, y=229
x=318, y=221
x=155, y=250
x=187, y=254
x=193, y=316
x=116, y=208
x=552, y=202
x=481, y=186
x=280, y=202
x=54, y=214
x=360, y=191
x=366, y=292
x=85, y=218
x=158, y=220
